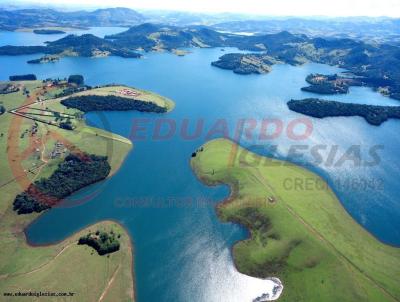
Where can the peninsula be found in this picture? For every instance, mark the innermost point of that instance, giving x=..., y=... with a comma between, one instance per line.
x=39, y=154
x=302, y=235
x=374, y=115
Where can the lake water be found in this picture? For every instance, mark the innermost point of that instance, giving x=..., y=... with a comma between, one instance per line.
x=182, y=250
x=31, y=39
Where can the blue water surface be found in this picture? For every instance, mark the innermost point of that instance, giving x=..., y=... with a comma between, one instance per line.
x=182, y=250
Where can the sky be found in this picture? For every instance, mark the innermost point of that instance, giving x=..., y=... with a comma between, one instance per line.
x=373, y=8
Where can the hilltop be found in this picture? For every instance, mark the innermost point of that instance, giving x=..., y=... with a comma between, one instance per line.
x=37, y=18
x=86, y=45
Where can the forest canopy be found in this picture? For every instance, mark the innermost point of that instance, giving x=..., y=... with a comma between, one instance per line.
x=88, y=103
x=74, y=173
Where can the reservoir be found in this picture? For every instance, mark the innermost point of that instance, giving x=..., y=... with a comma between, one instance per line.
x=181, y=249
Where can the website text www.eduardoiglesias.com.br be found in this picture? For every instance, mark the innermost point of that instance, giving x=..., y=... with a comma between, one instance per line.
x=38, y=294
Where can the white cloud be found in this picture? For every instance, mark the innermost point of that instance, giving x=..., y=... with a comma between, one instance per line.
x=265, y=7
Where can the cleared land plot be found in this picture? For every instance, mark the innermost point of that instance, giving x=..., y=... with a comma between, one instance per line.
x=139, y=94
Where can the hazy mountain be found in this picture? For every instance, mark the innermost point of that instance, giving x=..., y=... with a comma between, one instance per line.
x=377, y=29
x=13, y=19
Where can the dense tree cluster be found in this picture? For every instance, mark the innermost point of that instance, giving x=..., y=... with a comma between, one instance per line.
x=48, y=31
x=374, y=115
x=24, y=77
x=88, y=103
x=2, y=109
x=102, y=242
x=67, y=125
x=253, y=219
x=76, y=79
x=74, y=173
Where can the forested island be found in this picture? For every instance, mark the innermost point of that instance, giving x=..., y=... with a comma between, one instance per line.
x=330, y=84
x=75, y=172
x=103, y=242
x=48, y=31
x=45, y=59
x=245, y=64
x=88, y=103
x=374, y=115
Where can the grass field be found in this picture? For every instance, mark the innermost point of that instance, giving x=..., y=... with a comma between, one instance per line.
x=68, y=267
x=65, y=266
x=305, y=237
x=142, y=95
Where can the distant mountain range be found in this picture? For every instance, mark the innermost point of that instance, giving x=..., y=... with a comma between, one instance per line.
x=363, y=28
x=374, y=29
x=35, y=18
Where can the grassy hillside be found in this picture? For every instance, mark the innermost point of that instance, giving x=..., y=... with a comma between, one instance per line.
x=304, y=237
x=68, y=267
x=64, y=266
x=141, y=95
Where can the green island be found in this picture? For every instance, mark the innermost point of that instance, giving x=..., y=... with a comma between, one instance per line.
x=48, y=31
x=245, y=64
x=300, y=234
x=374, y=115
x=35, y=148
x=45, y=59
x=330, y=84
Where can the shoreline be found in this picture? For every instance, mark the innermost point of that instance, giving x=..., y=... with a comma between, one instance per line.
x=359, y=267
x=170, y=106
x=26, y=222
x=249, y=234
x=74, y=233
x=309, y=170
